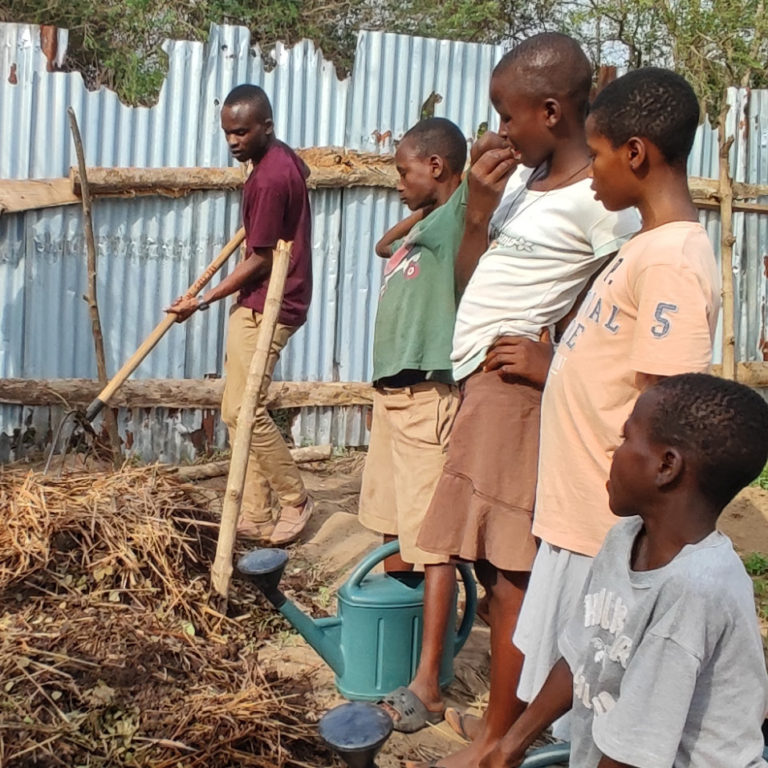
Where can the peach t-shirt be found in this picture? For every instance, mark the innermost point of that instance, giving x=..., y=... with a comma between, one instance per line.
x=653, y=309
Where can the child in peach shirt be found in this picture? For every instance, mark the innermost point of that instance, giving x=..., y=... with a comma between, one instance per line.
x=651, y=313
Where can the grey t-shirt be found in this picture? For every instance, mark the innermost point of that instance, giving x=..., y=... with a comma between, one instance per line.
x=668, y=666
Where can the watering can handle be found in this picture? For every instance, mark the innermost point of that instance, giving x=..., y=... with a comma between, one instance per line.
x=552, y=754
x=470, y=607
x=367, y=564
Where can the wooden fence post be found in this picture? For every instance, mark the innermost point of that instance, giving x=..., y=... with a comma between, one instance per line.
x=98, y=337
x=726, y=248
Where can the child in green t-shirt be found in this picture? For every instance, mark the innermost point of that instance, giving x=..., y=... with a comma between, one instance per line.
x=415, y=398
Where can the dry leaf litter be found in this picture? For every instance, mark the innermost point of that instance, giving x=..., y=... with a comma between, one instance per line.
x=110, y=651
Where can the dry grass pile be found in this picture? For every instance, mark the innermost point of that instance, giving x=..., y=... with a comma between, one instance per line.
x=109, y=652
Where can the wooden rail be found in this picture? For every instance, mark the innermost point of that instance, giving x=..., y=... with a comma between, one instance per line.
x=206, y=393
x=179, y=393
x=330, y=167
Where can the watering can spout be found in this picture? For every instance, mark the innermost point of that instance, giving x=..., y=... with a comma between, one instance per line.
x=264, y=567
x=324, y=635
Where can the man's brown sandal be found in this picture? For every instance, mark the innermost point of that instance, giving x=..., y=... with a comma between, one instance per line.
x=255, y=531
x=291, y=523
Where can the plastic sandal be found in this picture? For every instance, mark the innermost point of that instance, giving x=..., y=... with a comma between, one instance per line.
x=412, y=714
x=458, y=721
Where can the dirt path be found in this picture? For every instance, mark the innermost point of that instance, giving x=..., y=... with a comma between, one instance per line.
x=745, y=520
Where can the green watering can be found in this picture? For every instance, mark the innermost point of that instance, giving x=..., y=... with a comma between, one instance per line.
x=373, y=643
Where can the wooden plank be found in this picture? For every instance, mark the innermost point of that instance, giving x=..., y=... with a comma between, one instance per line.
x=179, y=393
x=17, y=195
x=27, y=195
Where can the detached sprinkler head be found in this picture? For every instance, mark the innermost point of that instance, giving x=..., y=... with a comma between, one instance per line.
x=356, y=732
x=264, y=567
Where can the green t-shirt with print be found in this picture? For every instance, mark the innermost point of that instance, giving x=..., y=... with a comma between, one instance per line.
x=417, y=302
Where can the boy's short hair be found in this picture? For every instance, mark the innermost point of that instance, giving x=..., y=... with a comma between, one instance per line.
x=551, y=64
x=721, y=425
x=653, y=103
x=439, y=136
x=250, y=94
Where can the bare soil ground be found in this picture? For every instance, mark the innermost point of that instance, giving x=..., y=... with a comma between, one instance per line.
x=745, y=520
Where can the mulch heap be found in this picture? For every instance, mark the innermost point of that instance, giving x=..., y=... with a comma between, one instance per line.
x=110, y=651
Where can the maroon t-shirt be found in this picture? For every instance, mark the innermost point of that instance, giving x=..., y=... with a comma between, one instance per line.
x=276, y=207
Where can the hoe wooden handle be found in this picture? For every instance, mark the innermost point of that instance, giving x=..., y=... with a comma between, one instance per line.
x=161, y=329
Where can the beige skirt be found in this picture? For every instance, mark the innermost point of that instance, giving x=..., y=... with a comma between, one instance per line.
x=483, y=504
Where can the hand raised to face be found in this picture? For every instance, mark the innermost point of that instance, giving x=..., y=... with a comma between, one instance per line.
x=493, y=162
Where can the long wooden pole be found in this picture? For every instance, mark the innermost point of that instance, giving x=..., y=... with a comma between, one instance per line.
x=93, y=306
x=221, y=573
x=161, y=329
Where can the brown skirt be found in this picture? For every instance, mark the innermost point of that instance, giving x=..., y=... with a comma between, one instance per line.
x=482, y=507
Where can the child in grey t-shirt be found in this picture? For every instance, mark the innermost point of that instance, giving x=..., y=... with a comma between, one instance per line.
x=663, y=662
x=667, y=664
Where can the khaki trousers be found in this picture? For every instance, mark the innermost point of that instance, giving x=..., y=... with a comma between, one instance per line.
x=410, y=430
x=270, y=466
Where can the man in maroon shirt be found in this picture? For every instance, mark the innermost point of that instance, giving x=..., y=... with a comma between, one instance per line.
x=275, y=207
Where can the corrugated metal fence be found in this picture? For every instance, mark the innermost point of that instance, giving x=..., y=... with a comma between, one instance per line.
x=151, y=248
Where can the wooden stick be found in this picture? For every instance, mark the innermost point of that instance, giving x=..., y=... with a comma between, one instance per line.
x=161, y=328
x=221, y=573
x=303, y=455
x=93, y=306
